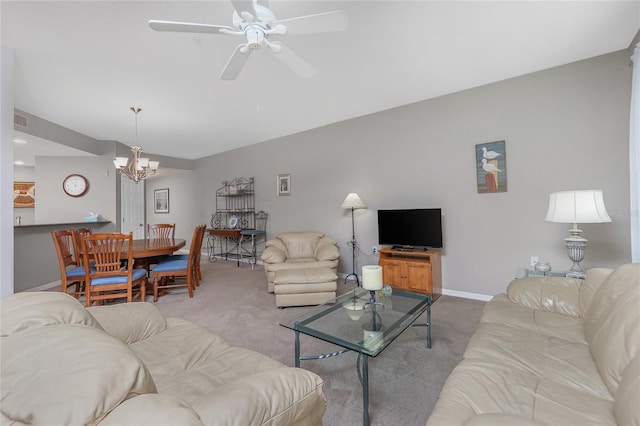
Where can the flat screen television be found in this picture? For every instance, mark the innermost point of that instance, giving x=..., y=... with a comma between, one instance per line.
x=410, y=228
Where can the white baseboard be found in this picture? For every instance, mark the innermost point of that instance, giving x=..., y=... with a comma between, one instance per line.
x=454, y=293
x=466, y=295
x=45, y=287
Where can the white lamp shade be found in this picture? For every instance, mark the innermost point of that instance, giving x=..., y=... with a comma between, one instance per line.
x=143, y=163
x=577, y=207
x=120, y=162
x=353, y=201
x=372, y=277
x=153, y=165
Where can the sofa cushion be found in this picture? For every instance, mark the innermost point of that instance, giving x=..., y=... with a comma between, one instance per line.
x=282, y=396
x=130, y=322
x=556, y=360
x=226, y=384
x=502, y=310
x=67, y=374
x=152, y=409
x=611, y=326
x=300, y=244
x=561, y=296
x=306, y=275
x=25, y=311
x=482, y=385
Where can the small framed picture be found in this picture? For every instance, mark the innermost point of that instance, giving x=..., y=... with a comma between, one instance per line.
x=284, y=184
x=491, y=167
x=161, y=200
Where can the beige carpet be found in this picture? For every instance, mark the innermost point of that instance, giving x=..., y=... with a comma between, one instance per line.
x=404, y=380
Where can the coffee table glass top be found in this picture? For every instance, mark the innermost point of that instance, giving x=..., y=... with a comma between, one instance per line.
x=350, y=322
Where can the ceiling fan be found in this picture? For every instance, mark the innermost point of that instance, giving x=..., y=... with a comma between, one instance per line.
x=253, y=20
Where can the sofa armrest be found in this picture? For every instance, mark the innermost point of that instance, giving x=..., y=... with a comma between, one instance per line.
x=273, y=254
x=130, y=322
x=152, y=409
x=559, y=295
x=327, y=252
x=500, y=419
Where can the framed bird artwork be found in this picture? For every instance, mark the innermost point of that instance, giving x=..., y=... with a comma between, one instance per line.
x=491, y=167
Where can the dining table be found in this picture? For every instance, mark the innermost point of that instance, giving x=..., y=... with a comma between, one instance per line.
x=151, y=247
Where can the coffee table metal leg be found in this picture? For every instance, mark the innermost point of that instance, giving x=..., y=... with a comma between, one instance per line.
x=429, y=327
x=297, y=350
x=365, y=390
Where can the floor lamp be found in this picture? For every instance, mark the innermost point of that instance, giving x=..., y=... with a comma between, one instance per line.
x=577, y=207
x=353, y=202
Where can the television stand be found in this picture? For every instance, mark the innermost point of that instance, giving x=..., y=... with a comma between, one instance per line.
x=409, y=248
x=414, y=269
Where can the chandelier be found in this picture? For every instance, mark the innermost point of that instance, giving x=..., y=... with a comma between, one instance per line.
x=139, y=168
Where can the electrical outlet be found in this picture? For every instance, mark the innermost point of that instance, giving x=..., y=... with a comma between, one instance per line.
x=534, y=260
x=375, y=249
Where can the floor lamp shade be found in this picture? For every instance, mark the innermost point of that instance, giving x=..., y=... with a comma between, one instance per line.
x=577, y=207
x=353, y=201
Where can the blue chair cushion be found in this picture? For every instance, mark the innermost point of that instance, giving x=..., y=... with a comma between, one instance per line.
x=252, y=232
x=77, y=271
x=171, y=265
x=119, y=279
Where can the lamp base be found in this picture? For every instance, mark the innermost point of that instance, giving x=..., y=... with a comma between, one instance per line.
x=575, y=249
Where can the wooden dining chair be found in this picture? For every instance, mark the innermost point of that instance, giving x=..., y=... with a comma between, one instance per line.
x=78, y=234
x=70, y=273
x=202, y=230
x=161, y=230
x=179, y=272
x=108, y=279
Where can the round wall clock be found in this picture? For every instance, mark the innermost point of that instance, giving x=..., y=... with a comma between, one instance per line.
x=75, y=185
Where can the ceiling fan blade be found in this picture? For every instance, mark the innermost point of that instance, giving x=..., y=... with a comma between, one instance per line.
x=187, y=27
x=318, y=23
x=236, y=62
x=245, y=6
x=293, y=61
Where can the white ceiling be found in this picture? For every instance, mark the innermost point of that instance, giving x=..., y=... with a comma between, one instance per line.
x=82, y=64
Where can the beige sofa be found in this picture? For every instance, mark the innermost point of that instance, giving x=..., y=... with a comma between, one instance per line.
x=301, y=268
x=552, y=351
x=126, y=364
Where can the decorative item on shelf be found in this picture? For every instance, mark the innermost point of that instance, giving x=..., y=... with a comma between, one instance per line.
x=353, y=202
x=93, y=217
x=542, y=267
x=577, y=207
x=139, y=168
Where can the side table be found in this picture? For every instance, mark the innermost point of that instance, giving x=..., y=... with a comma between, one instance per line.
x=524, y=272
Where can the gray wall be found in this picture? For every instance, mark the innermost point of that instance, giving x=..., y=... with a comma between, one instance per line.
x=185, y=205
x=53, y=205
x=565, y=128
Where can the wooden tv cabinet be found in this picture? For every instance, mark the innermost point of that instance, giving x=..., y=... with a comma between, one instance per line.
x=415, y=270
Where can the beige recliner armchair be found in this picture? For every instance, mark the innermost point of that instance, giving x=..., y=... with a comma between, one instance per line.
x=301, y=268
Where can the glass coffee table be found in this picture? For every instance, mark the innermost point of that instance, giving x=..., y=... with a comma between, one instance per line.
x=353, y=322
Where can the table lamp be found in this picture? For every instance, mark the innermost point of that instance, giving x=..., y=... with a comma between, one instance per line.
x=372, y=281
x=353, y=202
x=577, y=207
